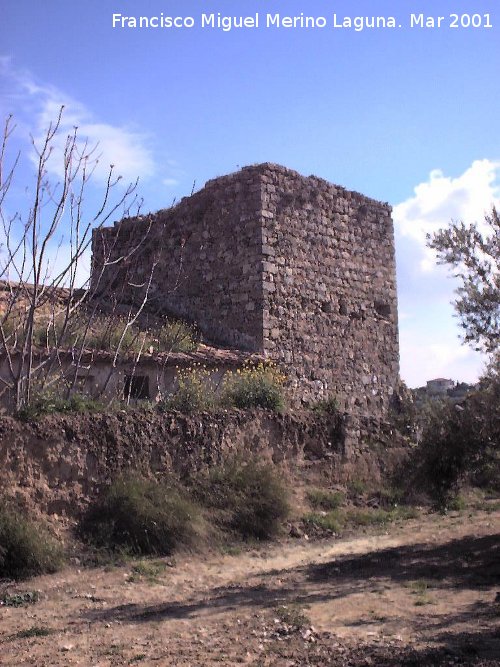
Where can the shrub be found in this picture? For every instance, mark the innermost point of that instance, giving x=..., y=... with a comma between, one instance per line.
x=459, y=441
x=140, y=516
x=194, y=392
x=252, y=498
x=255, y=386
x=26, y=548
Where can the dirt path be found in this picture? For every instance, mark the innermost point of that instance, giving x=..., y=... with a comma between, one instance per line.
x=423, y=594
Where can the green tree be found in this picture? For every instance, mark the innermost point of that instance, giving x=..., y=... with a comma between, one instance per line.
x=475, y=258
x=463, y=441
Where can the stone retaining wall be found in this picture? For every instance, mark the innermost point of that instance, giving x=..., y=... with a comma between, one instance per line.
x=57, y=464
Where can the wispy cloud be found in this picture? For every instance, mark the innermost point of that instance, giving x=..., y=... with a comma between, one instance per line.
x=170, y=182
x=441, y=199
x=36, y=105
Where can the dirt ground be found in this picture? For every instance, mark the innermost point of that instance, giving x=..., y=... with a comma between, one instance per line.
x=426, y=592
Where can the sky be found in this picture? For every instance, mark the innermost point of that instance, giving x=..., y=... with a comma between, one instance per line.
x=405, y=114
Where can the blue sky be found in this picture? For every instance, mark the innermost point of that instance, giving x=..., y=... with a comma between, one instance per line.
x=404, y=115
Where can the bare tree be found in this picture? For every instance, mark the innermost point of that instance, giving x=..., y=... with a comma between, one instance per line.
x=40, y=299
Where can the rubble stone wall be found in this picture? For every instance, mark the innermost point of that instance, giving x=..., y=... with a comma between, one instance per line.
x=330, y=290
x=199, y=261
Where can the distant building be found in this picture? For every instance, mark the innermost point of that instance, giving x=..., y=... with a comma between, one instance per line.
x=439, y=386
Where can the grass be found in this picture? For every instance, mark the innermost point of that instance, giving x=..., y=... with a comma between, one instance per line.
x=147, y=569
x=379, y=517
x=358, y=486
x=419, y=588
x=49, y=403
x=330, y=521
x=338, y=519
x=26, y=548
x=324, y=499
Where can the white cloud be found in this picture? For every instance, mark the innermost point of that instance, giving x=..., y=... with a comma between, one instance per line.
x=441, y=199
x=170, y=182
x=37, y=105
x=430, y=337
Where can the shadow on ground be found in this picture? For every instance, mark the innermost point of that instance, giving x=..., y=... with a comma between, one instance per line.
x=471, y=563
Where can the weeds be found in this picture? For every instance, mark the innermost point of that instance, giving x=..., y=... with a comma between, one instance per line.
x=292, y=614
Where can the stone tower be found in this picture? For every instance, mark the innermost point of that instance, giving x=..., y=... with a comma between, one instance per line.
x=267, y=260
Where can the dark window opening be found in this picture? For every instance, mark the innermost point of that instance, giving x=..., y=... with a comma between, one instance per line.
x=382, y=309
x=136, y=386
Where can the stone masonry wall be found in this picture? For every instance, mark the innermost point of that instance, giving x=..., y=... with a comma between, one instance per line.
x=267, y=260
x=207, y=251
x=330, y=289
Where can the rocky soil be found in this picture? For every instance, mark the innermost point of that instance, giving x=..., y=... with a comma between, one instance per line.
x=426, y=592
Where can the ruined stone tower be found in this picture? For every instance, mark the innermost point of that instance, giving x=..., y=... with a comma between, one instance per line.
x=269, y=261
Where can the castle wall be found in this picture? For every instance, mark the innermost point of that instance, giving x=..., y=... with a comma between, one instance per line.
x=329, y=283
x=267, y=260
x=207, y=257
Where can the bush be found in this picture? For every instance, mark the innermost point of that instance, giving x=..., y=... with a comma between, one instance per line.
x=326, y=406
x=140, y=516
x=252, y=498
x=194, y=392
x=460, y=441
x=26, y=548
x=259, y=386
